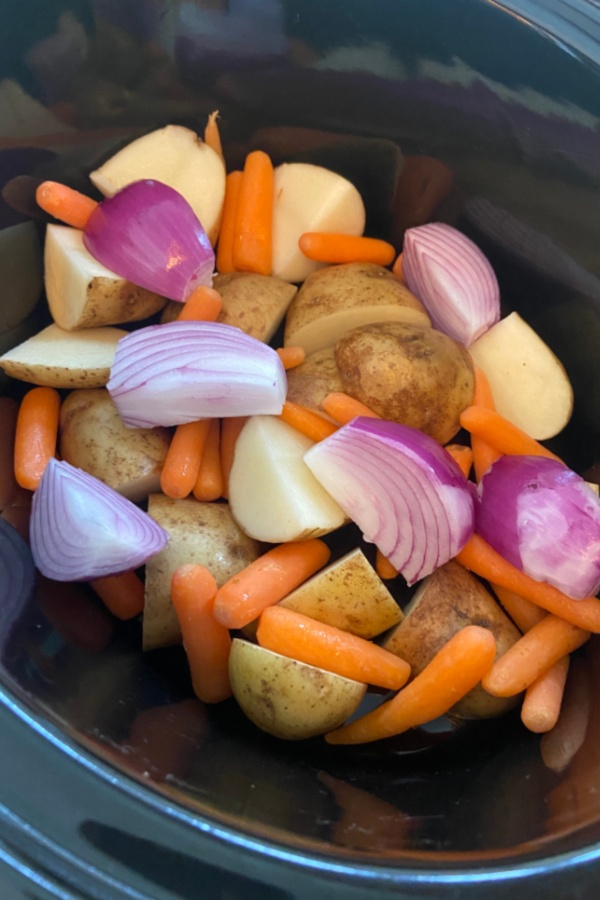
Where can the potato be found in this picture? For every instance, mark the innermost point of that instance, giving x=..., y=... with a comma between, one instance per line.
x=82, y=293
x=408, y=373
x=289, y=699
x=94, y=438
x=337, y=299
x=273, y=494
x=311, y=381
x=201, y=533
x=448, y=600
x=529, y=383
x=64, y=359
x=255, y=303
x=348, y=594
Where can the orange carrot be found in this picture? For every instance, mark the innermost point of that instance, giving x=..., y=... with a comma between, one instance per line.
x=560, y=745
x=532, y=654
x=182, y=463
x=268, y=580
x=230, y=431
x=462, y=456
x=310, y=423
x=397, y=268
x=203, y=305
x=501, y=434
x=291, y=356
x=206, y=642
x=483, y=560
x=449, y=676
x=36, y=435
x=209, y=483
x=212, y=136
x=299, y=637
x=65, y=204
x=384, y=568
x=343, y=408
x=484, y=455
x=253, y=242
x=328, y=247
x=122, y=594
x=543, y=698
x=226, y=240
x=524, y=613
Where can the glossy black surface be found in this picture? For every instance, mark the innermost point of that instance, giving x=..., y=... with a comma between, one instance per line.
x=115, y=781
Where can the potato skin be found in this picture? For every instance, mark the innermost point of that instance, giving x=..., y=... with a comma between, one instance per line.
x=407, y=373
x=311, y=381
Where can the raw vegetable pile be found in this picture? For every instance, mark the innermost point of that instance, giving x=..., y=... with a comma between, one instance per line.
x=196, y=449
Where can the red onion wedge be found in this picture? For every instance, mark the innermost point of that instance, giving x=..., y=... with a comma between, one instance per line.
x=185, y=371
x=402, y=489
x=453, y=280
x=82, y=529
x=545, y=520
x=150, y=235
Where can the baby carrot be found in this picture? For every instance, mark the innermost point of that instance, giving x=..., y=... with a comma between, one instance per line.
x=299, y=637
x=397, y=268
x=501, y=434
x=253, y=242
x=203, y=305
x=64, y=203
x=449, y=676
x=543, y=698
x=484, y=455
x=182, y=463
x=122, y=594
x=212, y=136
x=384, y=568
x=268, y=580
x=462, y=456
x=560, y=745
x=483, y=560
x=230, y=430
x=532, y=654
x=291, y=356
x=209, y=483
x=207, y=643
x=343, y=408
x=310, y=423
x=227, y=232
x=36, y=435
x=336, y=248
x=524, y=613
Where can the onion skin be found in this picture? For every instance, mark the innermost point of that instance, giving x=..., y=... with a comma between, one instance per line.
x=403, y=490
x=81, y=529
x=184, y=371
x=453, y=280
x=545, y=520
x=150, y=235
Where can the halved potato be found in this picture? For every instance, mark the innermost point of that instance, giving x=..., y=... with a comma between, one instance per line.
x=199, y=533
x=338, y=299
x=286, y=698
x=348, y=594
x=64, y=359
x=529, y=383
x=448, y=600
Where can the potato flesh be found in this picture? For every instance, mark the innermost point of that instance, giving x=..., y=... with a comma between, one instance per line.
x=274, y=496
x=289, y=699
x=529, y=383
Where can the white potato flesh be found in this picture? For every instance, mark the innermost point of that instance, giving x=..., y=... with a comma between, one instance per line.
x=64, y=359
x=176, y=156
x=286, y=698
x=528, y=382
x=310, y=198
x=273, y=495
x=82, y=293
